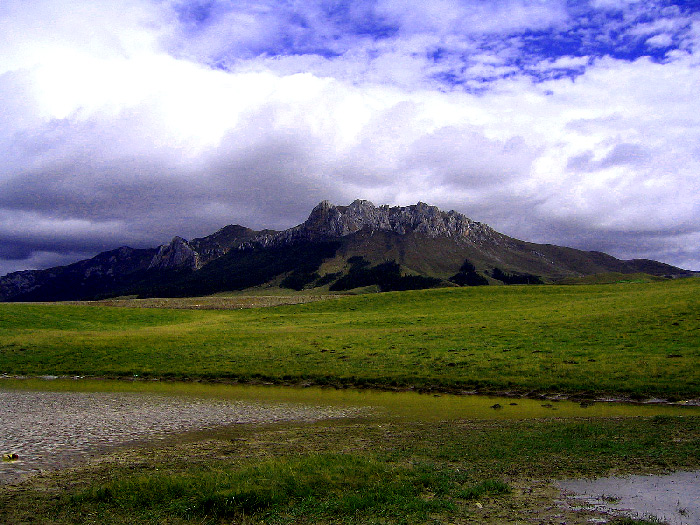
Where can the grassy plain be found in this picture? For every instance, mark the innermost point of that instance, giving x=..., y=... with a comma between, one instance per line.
x=369, y=471
x=628, y=339
x=624, y=339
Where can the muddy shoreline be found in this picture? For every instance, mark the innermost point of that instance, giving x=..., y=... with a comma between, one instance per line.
x=577, y=397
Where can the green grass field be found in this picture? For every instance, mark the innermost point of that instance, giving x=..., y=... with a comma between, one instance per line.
x=637, y=339
x=363, y=472
x=627, y=339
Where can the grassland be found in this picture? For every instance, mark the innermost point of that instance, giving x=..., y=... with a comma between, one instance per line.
x=628, y=339
x=638, y=339
x=377, y=471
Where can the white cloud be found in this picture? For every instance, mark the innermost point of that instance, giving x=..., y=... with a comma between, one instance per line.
x=452, y=16
x=117, y=131
x=613, y=4
x=660, y=25
x=565, y=62
x=29, y=30
x=662, y=40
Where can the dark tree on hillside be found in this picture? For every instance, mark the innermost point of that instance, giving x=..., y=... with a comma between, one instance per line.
x=469, y=279
x=298, y=279
x=467, y=267
x=510, y=278
x=467, y=276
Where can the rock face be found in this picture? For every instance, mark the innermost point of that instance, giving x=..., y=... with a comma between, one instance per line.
x=17, y=283
x=192, y=255
x=328, y=221
x=221, y=242
x=177, y=254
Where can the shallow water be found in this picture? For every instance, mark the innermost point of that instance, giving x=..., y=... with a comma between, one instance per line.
x=57, y=422
x=403, y=404
x=673, y=498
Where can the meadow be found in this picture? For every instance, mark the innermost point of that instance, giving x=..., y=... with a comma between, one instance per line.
x=635, y=340
x=371, y=471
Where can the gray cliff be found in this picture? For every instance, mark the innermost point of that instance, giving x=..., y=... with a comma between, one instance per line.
x=177, y=254
x=328, y=221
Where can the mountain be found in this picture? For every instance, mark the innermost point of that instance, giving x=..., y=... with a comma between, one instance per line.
x=340, y=247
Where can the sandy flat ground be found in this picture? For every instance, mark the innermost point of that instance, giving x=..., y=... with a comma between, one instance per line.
x=49, y=430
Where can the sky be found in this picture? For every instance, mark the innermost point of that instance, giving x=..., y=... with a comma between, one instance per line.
x=129, y=122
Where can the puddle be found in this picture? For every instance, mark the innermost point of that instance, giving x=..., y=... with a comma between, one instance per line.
x=403, y=404
x=672, y=498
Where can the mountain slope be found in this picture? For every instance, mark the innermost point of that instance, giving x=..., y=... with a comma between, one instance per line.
x=425, y=245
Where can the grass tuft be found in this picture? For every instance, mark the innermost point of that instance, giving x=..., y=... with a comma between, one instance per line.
x=489, y=487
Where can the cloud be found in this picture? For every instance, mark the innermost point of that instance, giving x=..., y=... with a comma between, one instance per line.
x=131, y=124
x=661, y=40
x=620, y=155
x=472, y=17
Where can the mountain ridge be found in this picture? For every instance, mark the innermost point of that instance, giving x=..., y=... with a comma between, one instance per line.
x=420, y=239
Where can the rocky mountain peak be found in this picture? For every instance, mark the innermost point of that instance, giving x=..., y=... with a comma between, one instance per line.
x=328, y=220
x=177, y=254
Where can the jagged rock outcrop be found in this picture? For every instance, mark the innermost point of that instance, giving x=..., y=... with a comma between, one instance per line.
x=17, y=283
x=177, y=254
x=222, y=241
x=183, y=254
x=328, y=221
